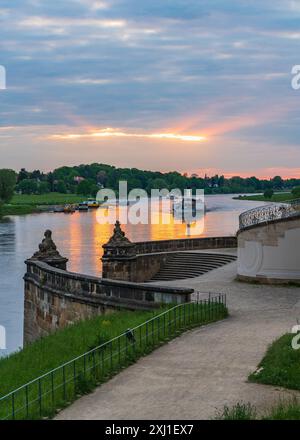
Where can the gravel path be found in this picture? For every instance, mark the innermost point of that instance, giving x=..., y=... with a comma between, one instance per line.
x=195, y=375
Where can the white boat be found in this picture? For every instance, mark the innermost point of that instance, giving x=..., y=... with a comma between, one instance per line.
x=83, y=206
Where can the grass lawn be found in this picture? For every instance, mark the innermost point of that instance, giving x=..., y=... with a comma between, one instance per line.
x=28, y=204
x=46, y=199
x=280, y=365
x=18, y=209
x=284, y=410
x=278, y=197
x=51, y=351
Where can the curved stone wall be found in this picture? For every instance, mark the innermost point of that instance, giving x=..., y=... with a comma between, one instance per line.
x=55, y=297
x=150, y=256
x=269, y=252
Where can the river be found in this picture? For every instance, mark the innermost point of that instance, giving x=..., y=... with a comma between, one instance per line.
x=79, y=237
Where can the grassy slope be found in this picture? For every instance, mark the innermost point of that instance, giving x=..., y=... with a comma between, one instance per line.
x=284, y=410
x=279, y=197
x=46, y=199
x=280, y=365
x=28, y=204
x=64, y=345
x=81, y=377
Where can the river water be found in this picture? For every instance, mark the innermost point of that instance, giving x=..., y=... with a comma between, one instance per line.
x=80, y=237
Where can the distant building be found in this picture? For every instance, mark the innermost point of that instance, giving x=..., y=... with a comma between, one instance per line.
x=78, y=179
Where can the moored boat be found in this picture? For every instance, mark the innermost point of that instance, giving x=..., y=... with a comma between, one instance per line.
x=92, y=203
x=83, y=206
x=69, y=209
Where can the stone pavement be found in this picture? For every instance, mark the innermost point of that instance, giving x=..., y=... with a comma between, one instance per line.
x=196, y=374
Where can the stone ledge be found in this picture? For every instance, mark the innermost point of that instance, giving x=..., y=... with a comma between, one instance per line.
x=267, y=280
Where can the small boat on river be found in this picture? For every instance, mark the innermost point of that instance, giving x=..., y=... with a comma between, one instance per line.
x=83, y=207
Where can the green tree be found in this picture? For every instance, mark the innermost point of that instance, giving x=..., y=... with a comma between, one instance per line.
x=8, y=179
x=28, y=186
x=296, y=192
x=61, y=187
x=277, y=182
x=43, y=188
x=86, y=187
x=268, y=194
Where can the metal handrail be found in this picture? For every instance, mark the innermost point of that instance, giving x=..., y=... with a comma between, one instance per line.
x=23, y=399
x=89, y=352
x=273, y=211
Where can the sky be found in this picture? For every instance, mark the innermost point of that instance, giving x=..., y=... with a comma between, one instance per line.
x=198, y=86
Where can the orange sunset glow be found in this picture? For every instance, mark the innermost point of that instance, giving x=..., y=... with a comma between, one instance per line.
x=111, y=132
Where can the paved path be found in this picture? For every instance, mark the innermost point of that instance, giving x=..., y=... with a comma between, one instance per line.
x=198, y=373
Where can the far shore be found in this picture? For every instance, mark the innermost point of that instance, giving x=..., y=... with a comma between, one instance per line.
x=277, y=197
x=22, y=204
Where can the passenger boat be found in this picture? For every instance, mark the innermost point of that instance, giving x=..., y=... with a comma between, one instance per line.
x=93, y=203
x=58, y=208
x=83, y=206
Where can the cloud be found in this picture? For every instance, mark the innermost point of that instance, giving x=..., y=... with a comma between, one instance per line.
x=172, y=66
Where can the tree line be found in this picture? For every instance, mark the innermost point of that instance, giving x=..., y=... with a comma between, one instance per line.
x=87, y=179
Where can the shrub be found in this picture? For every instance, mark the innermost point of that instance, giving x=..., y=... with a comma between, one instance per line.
x=268, y=194
x=296, y=192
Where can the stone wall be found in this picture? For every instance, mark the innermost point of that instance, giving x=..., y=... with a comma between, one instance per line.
x=150, y=256
x=185, y=244
x=55, y=298
x=269, y=252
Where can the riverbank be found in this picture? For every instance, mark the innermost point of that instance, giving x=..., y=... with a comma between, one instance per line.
x=278, y=197
x=22, y=204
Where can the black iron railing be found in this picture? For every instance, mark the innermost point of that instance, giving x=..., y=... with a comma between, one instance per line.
x=41, y=397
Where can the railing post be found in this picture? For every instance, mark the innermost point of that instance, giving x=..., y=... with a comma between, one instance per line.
x=102, y=361
x=27, y=401
x=84, y=365
x=40, y=396
x=64, y=383
x=13, y=406
x=140, y=337
x=111, y=356
x=94, y=364
x=175, y=323
x=147, y=333
x=74, y=376
x=52, y=388
x=153, y=341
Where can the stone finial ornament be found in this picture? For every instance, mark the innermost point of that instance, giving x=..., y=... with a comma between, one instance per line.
x=48, y=252
x=47, y=247
x=118, y=237
x=119, y=246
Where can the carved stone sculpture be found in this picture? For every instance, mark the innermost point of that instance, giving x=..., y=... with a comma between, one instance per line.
x=48, y=252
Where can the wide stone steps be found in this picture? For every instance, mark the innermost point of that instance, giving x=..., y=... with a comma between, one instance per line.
x=191, y=264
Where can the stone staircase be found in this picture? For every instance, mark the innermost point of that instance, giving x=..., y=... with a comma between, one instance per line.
x=184, y=265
